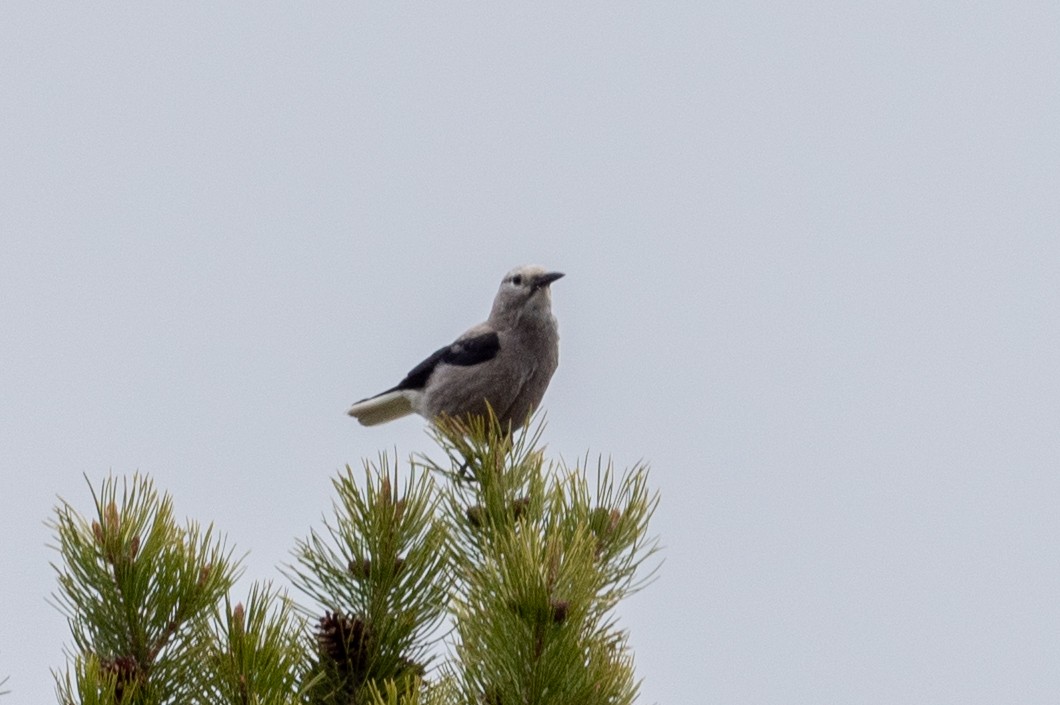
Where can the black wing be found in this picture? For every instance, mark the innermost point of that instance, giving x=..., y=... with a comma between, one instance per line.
x=464, y=352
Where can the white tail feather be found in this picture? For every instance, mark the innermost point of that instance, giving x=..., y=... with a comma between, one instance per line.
x=383, y=408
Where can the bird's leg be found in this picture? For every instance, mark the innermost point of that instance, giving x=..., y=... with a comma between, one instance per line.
x=463, y=474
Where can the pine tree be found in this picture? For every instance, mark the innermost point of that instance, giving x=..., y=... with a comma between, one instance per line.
x=490, y=577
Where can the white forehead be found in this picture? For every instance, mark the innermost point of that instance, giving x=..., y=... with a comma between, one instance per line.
x=527, y=270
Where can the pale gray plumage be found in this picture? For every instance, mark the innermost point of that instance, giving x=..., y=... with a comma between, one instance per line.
x=506, y=361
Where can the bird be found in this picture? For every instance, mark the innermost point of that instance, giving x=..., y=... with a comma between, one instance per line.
x=503, y=364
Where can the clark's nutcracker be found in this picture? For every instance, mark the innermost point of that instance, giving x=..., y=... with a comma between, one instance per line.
x=506, y=361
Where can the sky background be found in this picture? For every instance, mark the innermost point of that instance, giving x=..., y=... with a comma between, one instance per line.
x=812, y=253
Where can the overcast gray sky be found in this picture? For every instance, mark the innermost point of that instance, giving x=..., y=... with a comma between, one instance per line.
x=812, y=253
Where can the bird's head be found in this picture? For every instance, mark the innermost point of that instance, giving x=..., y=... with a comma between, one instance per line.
x=524, y=292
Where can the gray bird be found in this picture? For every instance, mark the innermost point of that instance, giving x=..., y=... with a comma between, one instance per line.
x=506, y=361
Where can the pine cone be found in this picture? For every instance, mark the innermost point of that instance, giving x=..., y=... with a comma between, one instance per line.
x=345, y=641
x=125, y=671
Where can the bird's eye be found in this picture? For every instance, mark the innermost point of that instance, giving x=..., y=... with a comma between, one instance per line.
x=517, y=280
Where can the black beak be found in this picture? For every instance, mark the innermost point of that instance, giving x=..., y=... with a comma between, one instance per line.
x=546, y=279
